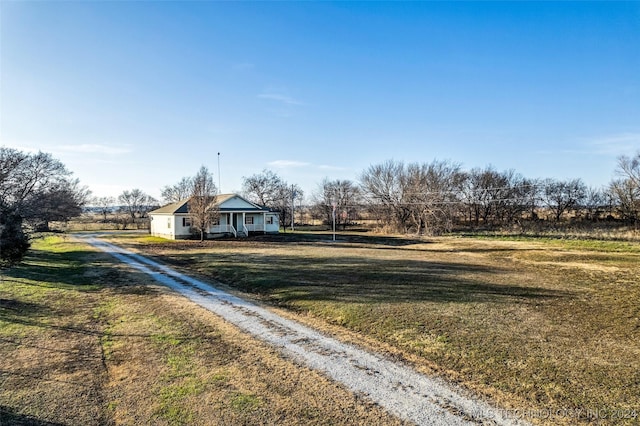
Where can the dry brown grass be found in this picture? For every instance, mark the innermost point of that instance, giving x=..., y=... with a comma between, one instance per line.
x=85, y=341
x=531, y=324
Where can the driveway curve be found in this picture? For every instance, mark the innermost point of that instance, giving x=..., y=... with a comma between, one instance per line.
x=397, y=388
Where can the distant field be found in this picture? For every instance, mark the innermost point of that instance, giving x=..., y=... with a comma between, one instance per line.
x=546, y=324
x=86, y=341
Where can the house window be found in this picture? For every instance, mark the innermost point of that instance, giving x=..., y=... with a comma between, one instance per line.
x=269, y=220
x=248, y=220
x=169, y=223
x=186, y=222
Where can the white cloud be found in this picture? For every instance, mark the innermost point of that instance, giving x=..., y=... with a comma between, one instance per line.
x=280, y=96
x=286, y=164
x=94, y=149
x=617, y=144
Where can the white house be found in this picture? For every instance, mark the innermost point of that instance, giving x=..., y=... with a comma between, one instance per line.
x=238, y=217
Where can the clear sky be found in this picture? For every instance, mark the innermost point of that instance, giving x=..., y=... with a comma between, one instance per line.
x=140, y=94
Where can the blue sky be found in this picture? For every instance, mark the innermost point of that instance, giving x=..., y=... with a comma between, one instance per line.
x=140, y=94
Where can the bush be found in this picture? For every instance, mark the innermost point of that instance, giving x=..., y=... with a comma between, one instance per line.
x=14, y=243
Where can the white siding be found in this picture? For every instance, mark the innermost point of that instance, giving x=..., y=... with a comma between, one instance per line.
x=169, y=226
x=162, y=225
x=258, y=218
x=236, y=203
x=275, y=226
x=181, y=231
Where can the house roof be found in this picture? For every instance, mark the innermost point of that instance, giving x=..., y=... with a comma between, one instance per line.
x=182, y=206
x=179, y=207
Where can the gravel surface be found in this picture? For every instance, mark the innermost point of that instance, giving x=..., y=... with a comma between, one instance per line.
x=396, y=387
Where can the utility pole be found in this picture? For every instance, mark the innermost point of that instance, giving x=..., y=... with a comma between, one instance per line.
x=293, y=201
x=334, y=219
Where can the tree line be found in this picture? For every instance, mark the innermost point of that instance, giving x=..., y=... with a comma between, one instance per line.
x=436, y=197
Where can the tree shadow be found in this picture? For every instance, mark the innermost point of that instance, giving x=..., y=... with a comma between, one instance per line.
x=8, y=416
x=66, y=269
x=12, y=307
x=81, y=270
x=342, y=237
x=365, y=280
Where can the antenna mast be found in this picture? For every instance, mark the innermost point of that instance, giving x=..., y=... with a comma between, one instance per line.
x=219, y=189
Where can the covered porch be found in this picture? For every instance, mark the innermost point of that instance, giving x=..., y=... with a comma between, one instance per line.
x=241, y=223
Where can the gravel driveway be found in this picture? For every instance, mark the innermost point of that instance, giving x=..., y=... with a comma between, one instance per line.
x=396, y=387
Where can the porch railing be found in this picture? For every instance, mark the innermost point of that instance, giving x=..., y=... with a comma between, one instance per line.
x=258, y=227
x=223, y=229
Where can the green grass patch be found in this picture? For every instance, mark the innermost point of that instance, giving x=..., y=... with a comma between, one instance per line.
x=172, y=406
x=244, y=402
x=569, y=243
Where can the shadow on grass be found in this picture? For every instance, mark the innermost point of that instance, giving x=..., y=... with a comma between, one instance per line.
x=80, y=270
x=8, y=416
x=42, y=316
x=53, y=269
x=302, y=238
x=12, y=307
x=361, y=279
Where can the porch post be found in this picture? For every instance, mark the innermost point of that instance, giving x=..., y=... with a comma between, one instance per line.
x=243, y=219
x=264, y=222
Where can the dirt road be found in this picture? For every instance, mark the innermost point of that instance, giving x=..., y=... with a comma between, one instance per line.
x=394, y=386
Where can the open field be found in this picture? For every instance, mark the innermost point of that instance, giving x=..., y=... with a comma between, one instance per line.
x=532, y=323
x=86, y=341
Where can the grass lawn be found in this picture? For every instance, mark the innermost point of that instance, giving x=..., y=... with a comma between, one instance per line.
x=529, y=323
x=86, y=341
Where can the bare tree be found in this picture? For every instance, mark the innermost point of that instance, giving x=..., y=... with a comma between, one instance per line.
x=268, y=189
x=594, y=203
x=264, y=188
x=418, y=197
x=383, y=189
x=344, y=195
x=136, y=203
x=60, y=201
x=203, y=210
x=178, y=192
x=283, y=200
x=480, y=191
x=23, y=176
x=627, y=198
x=626, y=190
x=431, y=195
x=629, y=168
x=562, y=196
x=105, y=205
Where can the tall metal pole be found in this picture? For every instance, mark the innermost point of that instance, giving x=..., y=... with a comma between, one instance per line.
x=219, y=189
x=293, y=200
x=334, y=221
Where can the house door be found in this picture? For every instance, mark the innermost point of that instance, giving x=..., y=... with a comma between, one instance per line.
x=234, y=220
